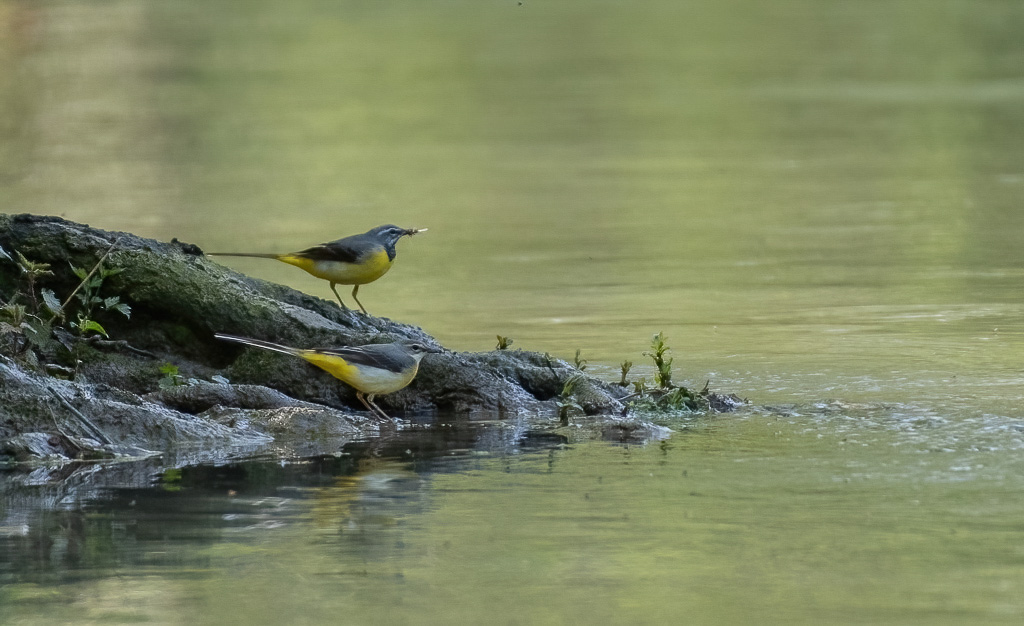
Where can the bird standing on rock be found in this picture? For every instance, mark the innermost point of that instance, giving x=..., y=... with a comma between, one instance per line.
x=372, y=370
x=354, y=260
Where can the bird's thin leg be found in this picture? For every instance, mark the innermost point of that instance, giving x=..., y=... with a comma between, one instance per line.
x=369, y=407
x=374, y=409
x=354, y=291
x=380, y=411
x=337, y=296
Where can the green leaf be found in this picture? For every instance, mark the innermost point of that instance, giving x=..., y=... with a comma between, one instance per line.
x=169, y=369
x=14, y=312
x=79, y=272
x=86, y=325
x=123, y=309
x=51, y=301
x=114, y=271
x=108, y=303
x=42, y=332
x=4, y=255
x=32, y=268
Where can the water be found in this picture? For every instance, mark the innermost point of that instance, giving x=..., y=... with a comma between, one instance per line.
x=818, y=203
x=760, y=518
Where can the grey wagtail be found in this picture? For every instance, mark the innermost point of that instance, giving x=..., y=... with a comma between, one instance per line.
x=372, y=370
x=354, y=260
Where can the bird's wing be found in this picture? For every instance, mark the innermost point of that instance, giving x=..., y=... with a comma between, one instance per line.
x=381, y=356
x=347, y=250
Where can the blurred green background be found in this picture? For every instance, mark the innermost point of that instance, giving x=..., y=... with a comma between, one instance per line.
x=774, y=182
x=813, y=199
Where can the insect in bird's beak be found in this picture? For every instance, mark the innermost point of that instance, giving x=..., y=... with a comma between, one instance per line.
x=413, y=231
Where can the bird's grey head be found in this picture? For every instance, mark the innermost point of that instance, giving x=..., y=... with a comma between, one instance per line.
x=419, y=350
x=389, y=234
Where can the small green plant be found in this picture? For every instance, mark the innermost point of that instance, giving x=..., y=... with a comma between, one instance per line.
x=565, y=400
x=25, y=320
x=504, y=343
x=664, y=396
x=578, y=362
x=663, y=377
x=171, y=377
x=32, y=272
x=170, y=480
x=679, y=398
x=30, y=317
x=87, y=294
x=625, y=367
x=14, y=314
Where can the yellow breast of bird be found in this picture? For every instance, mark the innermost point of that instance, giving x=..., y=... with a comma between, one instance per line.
x=373, y=267
x=370, y=380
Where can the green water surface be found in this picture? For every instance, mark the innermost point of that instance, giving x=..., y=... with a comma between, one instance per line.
x=819, y=202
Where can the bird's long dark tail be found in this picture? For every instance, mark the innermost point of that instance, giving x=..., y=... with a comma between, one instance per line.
x=257, y=343
x=258, y=255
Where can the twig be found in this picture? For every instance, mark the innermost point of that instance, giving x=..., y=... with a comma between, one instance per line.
x=95, y=432
x=654, y=392
x=99, y=342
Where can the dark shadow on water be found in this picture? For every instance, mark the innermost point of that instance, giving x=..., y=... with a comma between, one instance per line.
x=80, y=521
